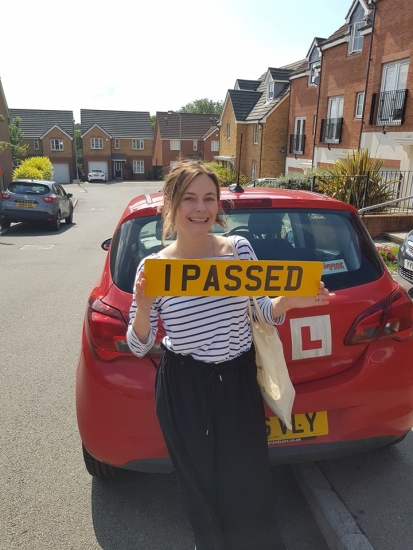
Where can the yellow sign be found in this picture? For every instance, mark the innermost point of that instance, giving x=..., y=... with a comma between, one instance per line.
x=231, y=278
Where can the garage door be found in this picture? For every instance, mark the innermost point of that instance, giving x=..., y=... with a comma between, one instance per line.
x=61, y=173
x=96, y=165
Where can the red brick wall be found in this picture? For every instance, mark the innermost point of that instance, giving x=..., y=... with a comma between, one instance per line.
x=303, y=103
x=393, y=40
x=343, y=74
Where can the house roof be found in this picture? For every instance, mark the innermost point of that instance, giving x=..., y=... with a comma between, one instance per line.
x=339, y=33
x=118, y=124
x=37, y=122
x=263, y=107
x=280, y=74
x=193, y=125
x=247, y=84
x=243, y=101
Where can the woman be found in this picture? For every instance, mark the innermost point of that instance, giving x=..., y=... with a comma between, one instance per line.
x=207, y=399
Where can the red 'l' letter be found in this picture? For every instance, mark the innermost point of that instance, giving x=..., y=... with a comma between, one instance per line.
x=307, y=343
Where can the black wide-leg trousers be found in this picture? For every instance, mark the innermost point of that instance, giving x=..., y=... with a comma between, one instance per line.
x=212, y=419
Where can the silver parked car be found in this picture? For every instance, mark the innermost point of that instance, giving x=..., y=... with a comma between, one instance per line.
x=35, y=201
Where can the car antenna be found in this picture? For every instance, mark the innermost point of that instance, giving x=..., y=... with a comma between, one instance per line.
x=236, y=188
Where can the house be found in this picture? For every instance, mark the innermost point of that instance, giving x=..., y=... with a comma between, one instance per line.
x=6, y=167
x=117, y=142
x=183, y=135
x=355, y=91
x=254, y=124
x=51, y=134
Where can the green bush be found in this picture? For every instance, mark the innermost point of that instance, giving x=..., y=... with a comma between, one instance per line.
x=39, y=168
x=226, y=177
x=292, y=180
x=346, y=180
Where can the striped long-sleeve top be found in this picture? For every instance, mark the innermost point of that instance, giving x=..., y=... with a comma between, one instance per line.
x=212, y=329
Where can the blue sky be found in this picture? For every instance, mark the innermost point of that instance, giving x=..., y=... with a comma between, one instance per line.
x=149, y=56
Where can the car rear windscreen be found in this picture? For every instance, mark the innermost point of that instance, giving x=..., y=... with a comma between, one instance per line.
x=29, y=188
x=336, y=238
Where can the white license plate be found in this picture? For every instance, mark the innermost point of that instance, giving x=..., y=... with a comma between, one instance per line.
x=408, y=264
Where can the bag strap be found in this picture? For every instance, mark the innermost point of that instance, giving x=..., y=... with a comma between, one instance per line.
x=256, y=306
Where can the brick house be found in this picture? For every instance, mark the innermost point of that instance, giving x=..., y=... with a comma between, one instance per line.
x=50, y=134
x=354, y=90
x=183, y=135
x=6, y=167
x=117, y=142
x=254, y=124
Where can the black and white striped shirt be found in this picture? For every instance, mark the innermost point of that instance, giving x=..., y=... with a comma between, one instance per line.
x=209, y=328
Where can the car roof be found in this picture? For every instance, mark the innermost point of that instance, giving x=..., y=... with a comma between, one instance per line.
x=251, y=197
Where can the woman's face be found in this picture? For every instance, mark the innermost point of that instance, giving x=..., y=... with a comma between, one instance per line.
x=198, y=208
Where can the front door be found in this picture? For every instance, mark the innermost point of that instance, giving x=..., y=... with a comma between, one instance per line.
x=118, y=169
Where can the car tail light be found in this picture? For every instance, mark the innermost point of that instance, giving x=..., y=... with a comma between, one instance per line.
x=49, y=199
x=5, y=196
x=392, y=317
x=106, y=331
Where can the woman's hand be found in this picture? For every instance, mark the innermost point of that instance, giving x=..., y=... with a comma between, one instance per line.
x=282, y=304
x=143, y=302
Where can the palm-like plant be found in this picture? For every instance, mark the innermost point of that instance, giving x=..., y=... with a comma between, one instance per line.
x=347, y=180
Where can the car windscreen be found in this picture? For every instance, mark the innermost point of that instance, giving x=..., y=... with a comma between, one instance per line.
x=28, y=188
x=336, y=238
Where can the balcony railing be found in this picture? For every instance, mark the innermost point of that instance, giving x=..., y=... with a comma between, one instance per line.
x=297, y=144
x=388, y=108
x=330, y=131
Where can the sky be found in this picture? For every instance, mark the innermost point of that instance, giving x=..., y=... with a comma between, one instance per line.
x=150, y=55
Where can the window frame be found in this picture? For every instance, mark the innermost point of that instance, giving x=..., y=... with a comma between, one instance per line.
x=141, y=164
x=36, y=144
x=356, y=35
x=255, y=135
x=214, y=147
x=96, y=141
x=270, y=90
x=53, y=144
x=117, y=143
x=358, y=113
x=138, y=144
x=229, y=130
x=174, y=145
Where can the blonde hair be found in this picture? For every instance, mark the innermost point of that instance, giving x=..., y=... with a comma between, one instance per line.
x=175, y=186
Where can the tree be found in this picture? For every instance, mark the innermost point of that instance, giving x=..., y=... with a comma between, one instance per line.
x=3, y=144
x=37, y=168
x=16, y=135
x=79, y=146
x=203, y=106
x=153, y=120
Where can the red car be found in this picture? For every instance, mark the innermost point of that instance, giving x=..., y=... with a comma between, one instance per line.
x=350, y=361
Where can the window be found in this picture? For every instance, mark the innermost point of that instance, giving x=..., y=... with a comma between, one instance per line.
x=96, y=143
x=137, y=144
x=138, y=167
x=175, y=144
x=254, y=171
x=298, y=139
x=359, y=104
x=255, y=136
x=314, y=78
x=356, y=44
x=335, y=114
x=228, y=131
x=56, y=144
x=270, y=90
x=117, y=143
x=194, y=144
x=392, y=97
x=214, y=145
x=36, y=144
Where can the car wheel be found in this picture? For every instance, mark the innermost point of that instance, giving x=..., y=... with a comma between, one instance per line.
x=97, y=468
x=55, y=225
x=5, y=224
x=69, y=219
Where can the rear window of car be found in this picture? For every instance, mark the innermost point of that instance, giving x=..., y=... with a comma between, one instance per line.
x=28, y=188
x=336, y=238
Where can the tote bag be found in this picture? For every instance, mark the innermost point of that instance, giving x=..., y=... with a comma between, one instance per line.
x=272, y=373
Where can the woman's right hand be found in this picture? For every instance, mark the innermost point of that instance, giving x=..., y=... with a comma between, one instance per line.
x=143, y=302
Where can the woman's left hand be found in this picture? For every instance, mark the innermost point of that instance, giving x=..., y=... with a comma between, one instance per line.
x=282, y=304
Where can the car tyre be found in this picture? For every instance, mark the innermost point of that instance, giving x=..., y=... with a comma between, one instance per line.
x=55, y=225
x=96, y=468
x=69, y=219
x=5, y=224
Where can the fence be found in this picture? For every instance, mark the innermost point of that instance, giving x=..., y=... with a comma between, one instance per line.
x=379, y=192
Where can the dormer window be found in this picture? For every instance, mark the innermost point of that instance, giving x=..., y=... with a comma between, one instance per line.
x=270, y=90
x=314, y=78
x=356, y=39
